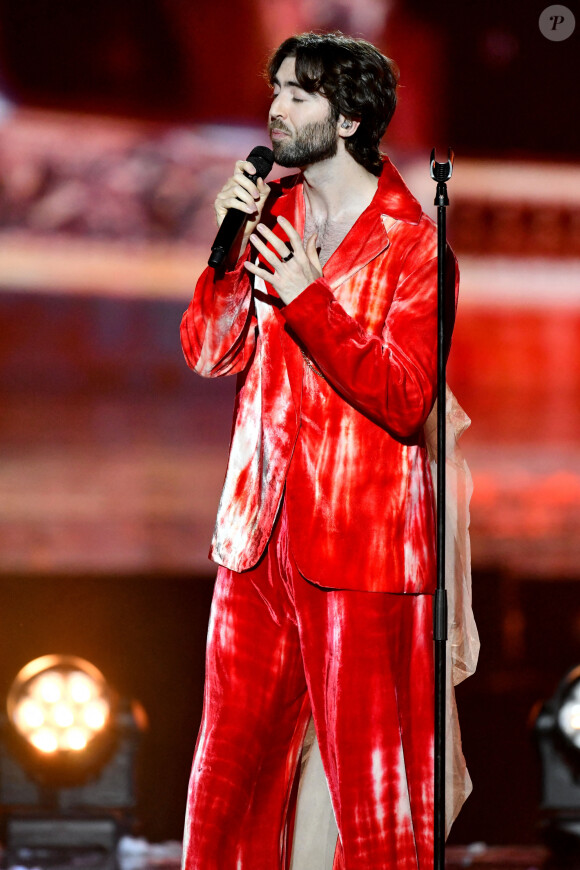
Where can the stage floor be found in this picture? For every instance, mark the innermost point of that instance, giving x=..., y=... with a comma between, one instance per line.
x=139, y=855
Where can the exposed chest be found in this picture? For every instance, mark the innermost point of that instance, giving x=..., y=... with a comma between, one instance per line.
x=330, y=234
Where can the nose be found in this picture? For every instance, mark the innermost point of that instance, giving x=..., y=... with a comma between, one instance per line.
x=278, y=107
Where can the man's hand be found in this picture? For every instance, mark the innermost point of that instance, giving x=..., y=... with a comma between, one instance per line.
x=241, y=193
x=294, y=268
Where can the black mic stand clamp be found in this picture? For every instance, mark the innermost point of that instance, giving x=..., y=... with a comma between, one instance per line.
x=441, y=173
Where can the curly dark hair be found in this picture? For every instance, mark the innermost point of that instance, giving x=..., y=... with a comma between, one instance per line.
x=358, y=81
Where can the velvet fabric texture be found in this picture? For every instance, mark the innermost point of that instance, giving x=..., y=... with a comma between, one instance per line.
x=333, y=391
x=315, y=831
x=279, y=647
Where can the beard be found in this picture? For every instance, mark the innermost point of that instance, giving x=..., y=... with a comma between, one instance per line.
x=313, y=142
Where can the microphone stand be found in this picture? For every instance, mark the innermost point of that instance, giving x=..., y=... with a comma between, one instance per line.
x=441, y=173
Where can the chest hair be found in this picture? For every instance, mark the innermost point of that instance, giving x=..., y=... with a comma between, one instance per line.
x=330, y=233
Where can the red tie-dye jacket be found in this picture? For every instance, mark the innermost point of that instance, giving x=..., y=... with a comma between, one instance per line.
x=333, y=391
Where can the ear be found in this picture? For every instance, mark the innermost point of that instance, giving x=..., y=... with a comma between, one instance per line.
x=347, y=126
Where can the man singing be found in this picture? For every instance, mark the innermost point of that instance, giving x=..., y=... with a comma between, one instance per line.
x=327, y=313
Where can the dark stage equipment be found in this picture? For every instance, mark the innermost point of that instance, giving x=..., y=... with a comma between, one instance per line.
x=67, y=758
x=557, y=734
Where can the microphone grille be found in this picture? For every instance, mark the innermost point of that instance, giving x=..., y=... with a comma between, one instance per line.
x=263, y=159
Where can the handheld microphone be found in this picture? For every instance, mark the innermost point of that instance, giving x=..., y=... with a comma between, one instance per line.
x=262, y=159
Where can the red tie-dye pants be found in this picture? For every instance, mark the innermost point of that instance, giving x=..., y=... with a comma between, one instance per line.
x=280, y=647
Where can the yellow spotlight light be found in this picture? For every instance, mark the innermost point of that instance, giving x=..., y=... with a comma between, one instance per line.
x=59, y=704
x=95, y=714
x=47, y=688
x=569, y=720
x=75, y=738
x=30, y=715
x=80, y=687
x=63, y=715
x=45, y=740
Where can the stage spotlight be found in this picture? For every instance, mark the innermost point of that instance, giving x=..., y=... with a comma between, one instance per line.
x=67, y=753
x=569, y=715
x=59, y=703
x=557, y=734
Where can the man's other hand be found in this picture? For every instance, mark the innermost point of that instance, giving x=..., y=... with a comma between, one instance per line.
x=294, y=267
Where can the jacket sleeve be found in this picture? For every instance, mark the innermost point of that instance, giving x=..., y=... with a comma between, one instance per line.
x=218, y=330
x=392, y=378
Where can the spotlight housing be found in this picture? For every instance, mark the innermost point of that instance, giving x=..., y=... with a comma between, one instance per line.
x=68, y=744
x=57, y=695
x=60, y=708
x=569, y=714
x=557, y=735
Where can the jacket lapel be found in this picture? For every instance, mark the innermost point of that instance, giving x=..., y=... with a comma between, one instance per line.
x=364, y=241
x=291, y=206
x=368, y=237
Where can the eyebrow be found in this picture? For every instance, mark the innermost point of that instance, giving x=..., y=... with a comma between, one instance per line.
x=289, y=84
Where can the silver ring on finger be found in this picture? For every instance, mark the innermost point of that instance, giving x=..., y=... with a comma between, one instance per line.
x=288, y=257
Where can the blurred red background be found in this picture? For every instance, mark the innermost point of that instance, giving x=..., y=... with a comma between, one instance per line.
x=118, y=123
